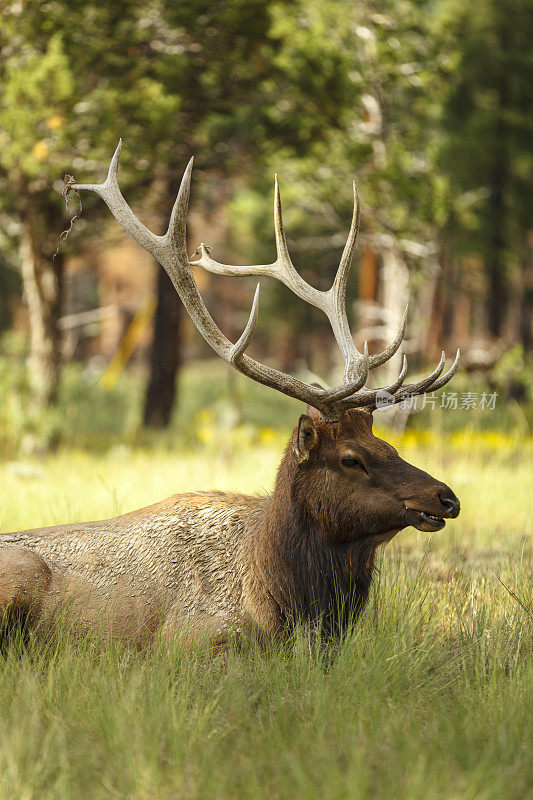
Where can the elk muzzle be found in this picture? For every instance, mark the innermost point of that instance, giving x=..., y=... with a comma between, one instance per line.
x=429, y=510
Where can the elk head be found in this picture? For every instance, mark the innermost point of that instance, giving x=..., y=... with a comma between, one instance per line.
x=333, y=444
x=351, y=485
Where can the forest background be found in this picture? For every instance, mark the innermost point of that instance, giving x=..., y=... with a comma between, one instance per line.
x=427, y=105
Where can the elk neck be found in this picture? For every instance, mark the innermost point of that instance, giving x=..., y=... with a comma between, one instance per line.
x=308, y=573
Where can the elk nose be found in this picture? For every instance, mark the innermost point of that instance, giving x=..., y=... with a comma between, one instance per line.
x=450, y=503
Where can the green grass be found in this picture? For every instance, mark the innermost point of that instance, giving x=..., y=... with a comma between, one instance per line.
x=429, y=697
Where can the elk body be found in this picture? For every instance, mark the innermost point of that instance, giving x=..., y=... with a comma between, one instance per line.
x=216, y=564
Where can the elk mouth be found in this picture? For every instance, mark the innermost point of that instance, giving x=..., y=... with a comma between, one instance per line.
x=423, y=521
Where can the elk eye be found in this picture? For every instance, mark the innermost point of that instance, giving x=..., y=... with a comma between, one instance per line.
x=351, y=462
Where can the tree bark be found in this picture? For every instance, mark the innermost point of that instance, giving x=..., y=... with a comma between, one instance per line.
x=165, y=358
x=43, y=286
x=395, y=296
x=497, y=288
x=527, y=294
x=498, y=293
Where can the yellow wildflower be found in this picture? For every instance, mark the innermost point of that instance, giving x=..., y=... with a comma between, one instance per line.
x=54, y=122
x=40, y=150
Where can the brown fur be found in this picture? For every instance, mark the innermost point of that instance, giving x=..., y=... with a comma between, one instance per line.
x=214, y=564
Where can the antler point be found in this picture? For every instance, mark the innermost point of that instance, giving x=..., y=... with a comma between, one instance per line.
x=113, y=165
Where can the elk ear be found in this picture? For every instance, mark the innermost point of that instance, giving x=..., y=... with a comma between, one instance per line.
x=306, y=438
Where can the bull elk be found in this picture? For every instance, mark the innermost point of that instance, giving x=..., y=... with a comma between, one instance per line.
x=223, y=564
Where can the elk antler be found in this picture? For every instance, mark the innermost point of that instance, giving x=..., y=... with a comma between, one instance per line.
x=170, y=250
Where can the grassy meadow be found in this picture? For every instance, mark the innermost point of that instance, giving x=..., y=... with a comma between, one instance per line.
x=430, y=695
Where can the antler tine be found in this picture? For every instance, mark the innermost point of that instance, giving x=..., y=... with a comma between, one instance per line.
x=337, y=298
x=111, y=177
x=112, y=172
x=177, y=226
x=395, y=385
x=426, y=383
x=283, y=258
x=244, y=340
x=339, y=284
x=232, y=271
x=431, y=383
x=447, y=375
x=283, y=268
x=362, y=367
x=368, y=398
x=110, y=193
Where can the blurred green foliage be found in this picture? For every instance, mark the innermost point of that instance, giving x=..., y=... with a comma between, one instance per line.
x=428, y=103
x=408, y=95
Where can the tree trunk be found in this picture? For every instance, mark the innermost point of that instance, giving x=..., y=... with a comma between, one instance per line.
x=497, y=289
x=527, y=294
x=43, y=284
x=395, y=296
x=165, y=358
x=441, y=314
x=497, y=299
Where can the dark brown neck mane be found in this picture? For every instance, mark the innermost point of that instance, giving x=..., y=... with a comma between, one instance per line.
x=310, y=576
